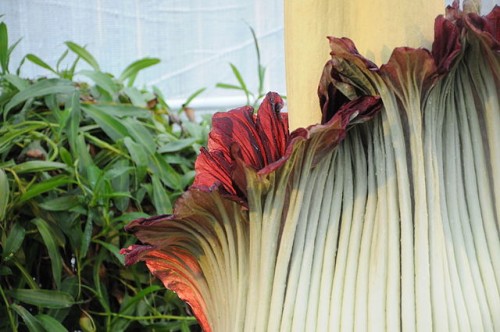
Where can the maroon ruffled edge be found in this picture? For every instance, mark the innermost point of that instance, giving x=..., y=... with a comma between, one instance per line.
x=242, y=138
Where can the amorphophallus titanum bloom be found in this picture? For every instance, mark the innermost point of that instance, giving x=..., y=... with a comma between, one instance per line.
x=385, y=216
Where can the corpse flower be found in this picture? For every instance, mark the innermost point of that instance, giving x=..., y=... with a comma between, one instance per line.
x=385, y=216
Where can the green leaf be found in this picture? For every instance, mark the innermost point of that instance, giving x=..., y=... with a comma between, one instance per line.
x=112, y=249
x=114, y=128
x=135, y=67
x=94, y=175
x=121, y=182
x=140, y=134
x=124, y=110
x=240, y=80
x=51, y=244
x=72, y=125
x=137, y=153
x=161, y=98
x=161, y=201
x=61, y=58
x=24, y=275
x=14, y=240
x=40, y=88
x=196, y=130
x=50, y=324
x=63, y=203
x=17, y=81
x=12, y=47
x=261, y=70
x=103, y=80
x=193, y=96
x=36, y=60
x=31, y=322
x=43, y=298
x=66, y=156
x=10, y=138
x=228, y=86
x=99, y=287
x=188, y=178
x=69, y=73
x=4, y=48
x=5, y=270
x=5, y=190
x=256, y=44
x=118, y=169
x=138, y=297
x=238, y=76
x=38, y=166
x=136, y=97
x=139, y=157
x=178, y=159
x=71, y=286
x=53, y=104
x=45, y=186
x=87, y=235
x=103, y=144
x=177, y=145
x=185, y=326
x=82, y=154
x=166, y=173
x=84, y=54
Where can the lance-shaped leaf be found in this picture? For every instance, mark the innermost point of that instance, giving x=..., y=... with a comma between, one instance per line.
x=383, y=217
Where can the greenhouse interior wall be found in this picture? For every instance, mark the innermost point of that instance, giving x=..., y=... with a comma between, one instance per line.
x=196, y=41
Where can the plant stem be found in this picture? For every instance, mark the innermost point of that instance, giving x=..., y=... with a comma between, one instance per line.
x=137, y=318
x=7, y=308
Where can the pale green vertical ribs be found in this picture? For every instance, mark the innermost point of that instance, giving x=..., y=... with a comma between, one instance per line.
x=307, y=181
x=343, y=241
x=332, y=215
x=359, y=165
x=361, y=296
x=315, y=308
x=316, y=196
x=411, y=300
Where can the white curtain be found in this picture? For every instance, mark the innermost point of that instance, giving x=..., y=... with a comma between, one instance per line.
x=195, y=40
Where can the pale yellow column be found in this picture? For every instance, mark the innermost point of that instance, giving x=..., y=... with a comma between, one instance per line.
x=376, y=27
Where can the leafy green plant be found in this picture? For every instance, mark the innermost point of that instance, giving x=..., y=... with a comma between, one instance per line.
x=253, y=98
x=78, y=161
